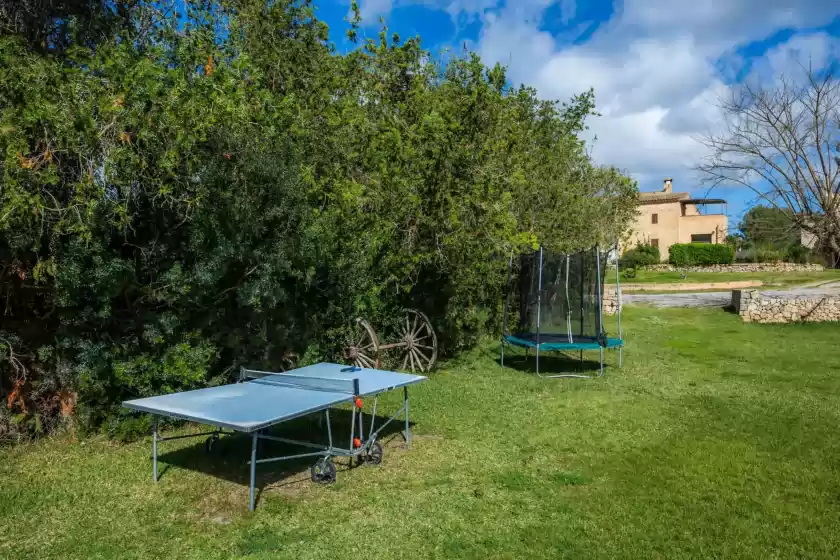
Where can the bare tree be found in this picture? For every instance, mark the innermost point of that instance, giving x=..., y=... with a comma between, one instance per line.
x=783, y=142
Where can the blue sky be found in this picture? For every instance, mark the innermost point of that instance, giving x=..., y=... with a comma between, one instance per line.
x=657, y=66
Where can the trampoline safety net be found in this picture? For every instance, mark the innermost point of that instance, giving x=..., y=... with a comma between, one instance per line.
x=556, y=296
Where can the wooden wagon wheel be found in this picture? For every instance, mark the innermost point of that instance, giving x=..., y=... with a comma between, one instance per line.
x=363, y=350
x=418, y=340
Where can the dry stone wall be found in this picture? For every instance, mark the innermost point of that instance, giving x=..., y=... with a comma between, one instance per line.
x=740, y=267
x=808, y=305
x=611, y=302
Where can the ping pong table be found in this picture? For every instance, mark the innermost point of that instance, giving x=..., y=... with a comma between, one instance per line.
x=262, y=399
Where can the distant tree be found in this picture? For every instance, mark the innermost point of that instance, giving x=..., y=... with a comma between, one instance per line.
x=783, y=142
x=736, y=240
x=765, y=226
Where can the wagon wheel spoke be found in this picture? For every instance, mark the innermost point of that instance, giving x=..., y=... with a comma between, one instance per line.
x=418, y=360
x=426, y=357
x=419, y=331
x=363, y=350
x=365, y=361
x=418, y=340
x=405, y=361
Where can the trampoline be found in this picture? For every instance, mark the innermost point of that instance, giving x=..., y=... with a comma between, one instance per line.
x=556, y=302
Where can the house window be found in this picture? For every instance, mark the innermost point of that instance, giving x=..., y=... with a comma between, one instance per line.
x=654, y=242
x=701, y=238
x=654, y=218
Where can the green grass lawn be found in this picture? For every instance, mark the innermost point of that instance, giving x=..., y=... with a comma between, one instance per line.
x=716, y=439
x=775, y=278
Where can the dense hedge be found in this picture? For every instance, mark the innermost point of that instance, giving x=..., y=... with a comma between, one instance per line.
x=185, y=193
x=643, y=255
x=700, y=254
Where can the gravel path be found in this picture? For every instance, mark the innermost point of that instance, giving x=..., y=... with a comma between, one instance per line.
x=720, y=299
x=703, y=299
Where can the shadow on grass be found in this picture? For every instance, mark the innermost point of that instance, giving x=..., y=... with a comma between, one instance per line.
x=229, y=457
x=554, y=363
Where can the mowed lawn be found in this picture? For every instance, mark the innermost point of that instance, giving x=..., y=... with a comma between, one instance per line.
x=768, y=278
x=717, y=439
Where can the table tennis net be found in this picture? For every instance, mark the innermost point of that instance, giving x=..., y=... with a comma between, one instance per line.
x=313, y=383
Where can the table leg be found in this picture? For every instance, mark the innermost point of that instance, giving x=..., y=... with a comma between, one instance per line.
x=253, y=467
x=154, y=448
x=405, y=401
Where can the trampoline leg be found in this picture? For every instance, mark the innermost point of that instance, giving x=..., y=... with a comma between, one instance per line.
x=503, y=353
x=538, y=362
x=602, y=362
x=581, y=356
x=620, y=356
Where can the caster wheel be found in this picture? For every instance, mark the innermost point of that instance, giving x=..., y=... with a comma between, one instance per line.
x=374, y=454
x=323, y=472
x=210, y=443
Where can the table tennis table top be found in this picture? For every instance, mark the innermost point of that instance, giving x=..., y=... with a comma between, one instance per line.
x=252, y=405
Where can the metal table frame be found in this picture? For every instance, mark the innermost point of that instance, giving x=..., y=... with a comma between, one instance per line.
x=325, y=451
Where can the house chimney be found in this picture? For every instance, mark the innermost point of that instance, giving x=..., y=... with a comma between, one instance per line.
x=667, y=185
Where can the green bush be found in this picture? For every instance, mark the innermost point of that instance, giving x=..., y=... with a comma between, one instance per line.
x=798, y=254
x=700, y=254
x=183, y=200
x=745, y=256
x=767, y=256
x=641, y=256
x=628, y=273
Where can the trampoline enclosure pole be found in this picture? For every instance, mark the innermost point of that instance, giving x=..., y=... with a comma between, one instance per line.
x=539, y=307
x=599, y=299
x=598, y=295
x=505, y=306
x=581, y=275
x=568, y=305
x=618, y=304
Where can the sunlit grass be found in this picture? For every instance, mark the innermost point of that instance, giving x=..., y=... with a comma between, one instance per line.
x=768, y=278
x=716, y=439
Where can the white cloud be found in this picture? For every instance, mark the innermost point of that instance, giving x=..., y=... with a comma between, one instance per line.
x=371, y=10
x=658, y=67
x=654, y=70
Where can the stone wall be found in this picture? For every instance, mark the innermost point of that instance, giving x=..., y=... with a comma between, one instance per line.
x=692, y=286
x=740, y=267
x=808, y=305
x=610, y=302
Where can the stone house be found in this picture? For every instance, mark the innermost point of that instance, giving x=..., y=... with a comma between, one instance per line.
x=668, y=217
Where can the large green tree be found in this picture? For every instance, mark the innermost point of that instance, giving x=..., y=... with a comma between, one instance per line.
x=183, y=193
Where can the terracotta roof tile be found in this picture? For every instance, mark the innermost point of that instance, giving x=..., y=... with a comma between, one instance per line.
x=659, y=197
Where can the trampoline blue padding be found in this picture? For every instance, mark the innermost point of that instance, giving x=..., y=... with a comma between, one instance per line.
x=560, y=342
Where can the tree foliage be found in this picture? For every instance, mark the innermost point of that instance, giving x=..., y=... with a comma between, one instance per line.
x=185, y=193
x=768, y=227
x=783, y=141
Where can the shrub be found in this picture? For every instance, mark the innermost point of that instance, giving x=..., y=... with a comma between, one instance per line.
x=767, y=256
x=175, y=204
x=745, y=256
x=694, y=254
x=643, y=255
x=628, y=273
x=798, y=254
